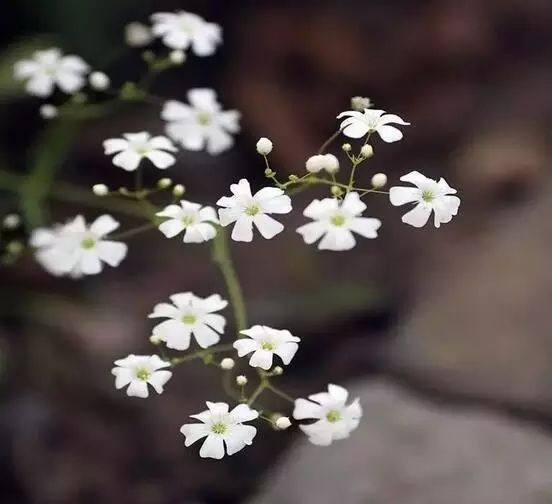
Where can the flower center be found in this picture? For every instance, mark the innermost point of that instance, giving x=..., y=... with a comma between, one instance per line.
x=188, y=220
x=333, y=416
x=142, y=151
x=337, y=220
x=267, y=345
x=204, y=119
x=88, y=243
x=189, y=319
x=428, y=196
x=252, y=210
x=219, y=428
x=143, y=374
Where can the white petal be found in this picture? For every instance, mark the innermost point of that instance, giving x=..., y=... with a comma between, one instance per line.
x=416, y=178
x=161, y=159
x=267, y=226
x=393, y=118
x=239, y=437
x=242, y=188
x=194, y=432
x=229, y=120
x=277, y=204
x=174, y=333
x=138, y=388
x=104, y=225
x=213, y=303
x=205, y=336
x=243, y=413
x=25, y=69
x=176, y=111
x=319, y=209
x=69, y=82
x=365, y=226
x=158, y=379
x=337, y=392
x=400, y=195
x=172, y=211
x=199, y=233
x=90, y=262
x=113, y=145
x=286, y=351
x=418, y=216
x=245, y=346
x=183, y=299
x=261, y=358
x=312, y=231
x=337, y=239
x=74, y=64
x=217, y=322
x=318, y=433
x=208, y=214
x=217, y=408
x=352, y=204
x=123, y=377
x=162, y=143
x=243, y=228
x=389, y=134
x=164, y=310
x=127, y=160
x=172, y=227
x=229, y=215
x=306, y=409
x=204, y=99
x=354, y=128
x=111, y=252
x=218, y=141
x=212, y=447
x=40, y=85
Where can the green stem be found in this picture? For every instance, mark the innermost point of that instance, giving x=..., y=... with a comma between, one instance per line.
x=221, y=257
x=259, y=390
x=280, y=393
x=201, y=354
x=327, y=143
x=132, y=232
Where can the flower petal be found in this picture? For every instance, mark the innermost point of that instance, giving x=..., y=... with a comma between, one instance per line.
x=158, y=379
x=212, y=447
x=267, y=226
x=389, y=134
x=261, y=358
x=170, y=228
x=127, y=160
x=111, y=252
x=239, y=437
x=205, y=336
x=245, y=346
x=243, y=228
x=194, y=432
x=304, y=409
x=161, y=159
x=401, y=195
x=418, y=216
x=364, y=226
x=138, y=388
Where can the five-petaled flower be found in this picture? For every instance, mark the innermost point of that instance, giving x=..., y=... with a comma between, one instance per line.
x=334, y=418
x=77, y=249
x=359, y=124
x=336, y=221
x=197, y=221
x=428, y=195
x=265, y=342
x=136, y=146
x=189, y=315
x=181, y=30
x=221, y=427
x=137, y=371
x=49, y=68
x=246, y=209
x=202, y=124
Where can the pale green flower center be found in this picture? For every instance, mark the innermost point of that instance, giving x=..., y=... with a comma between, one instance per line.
x=267, y=345
x=143, y=374
x=337, y=220
x=204, y=119
x=252, y=210
x=428, y=196
x=188, y=220
x=88, y=243
x=219, y=428
x=333, y=416
x=142, y=151
x=189, y=319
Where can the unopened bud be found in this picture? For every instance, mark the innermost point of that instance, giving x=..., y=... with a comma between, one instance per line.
x=277, y=371
x=227, y=363
x=360, y=103
x=155, y=339
x=178, y=190
x=48, y=111
x=137, y=35
x=100, y=189
x=331, y=163
x=346, y=147
x=336, y=190
x=177, y=57
x=366, y=151
x=269, y=173
x=379, y=180
x=315, y=163
x=293, y=178
x=163, y=183
x=14, y=248
x=282, y=423
x=241, y=380
x=99, y=81
x=11, y=221
x=264, y=146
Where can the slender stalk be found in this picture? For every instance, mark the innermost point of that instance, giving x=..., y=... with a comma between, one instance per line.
x=327, y=143
x=133, y=232
x=201, y=354
x=280, y=393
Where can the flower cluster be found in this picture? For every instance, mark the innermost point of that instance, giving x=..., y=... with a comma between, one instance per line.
x=246, y=355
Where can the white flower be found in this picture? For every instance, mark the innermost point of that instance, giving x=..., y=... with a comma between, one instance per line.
x=264, y=146
x=241, y=380
x=227, y=363
x=189, y=314
x=359, y=124
x=48, y=111
x=335, y=420
x=202, y=124
x=180, y=30
x=320, y=162
x=282, y=423
x=221, y=427
x=246, y=209
x=76, y=249
x=335, y=221
x=429, y=195
x=137, y=371
x=378, y=180
x=265, y=342
x=99, y=81
x=196, y=220
x=136, y=146
x=137, y=34
x=50, y=68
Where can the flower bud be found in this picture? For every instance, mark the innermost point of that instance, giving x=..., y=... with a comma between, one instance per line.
x=331, y=163
x=178, y=190
x=155, y=339
x=277, y=371
x=366, y=151
x=269, y=173
x=315, y=163
x=177, y=57
x=293, y=178
x=227, y=363
x=99, y=81
x=264, y=146
x=346, y=147
x=137, y=35
x=379, y=180
x=11, y=221
x=282, y=423
x=14, y=248
x=100, y=189
x=336, y=190
x=163, y=183
x=48, y=111
x=241, y=380
x=359, y=103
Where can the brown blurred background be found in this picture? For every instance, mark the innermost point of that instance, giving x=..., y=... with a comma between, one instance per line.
x=446, y=334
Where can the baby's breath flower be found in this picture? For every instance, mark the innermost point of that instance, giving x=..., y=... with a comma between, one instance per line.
x=265, y=342
x=100, y=189
x=137, y=371
x=48, y=111
x=360, y=103
x=136, y=146
x=429, y=196
x=202, y=124
x=320, y=162
x=282, y=423
x=241, y=380
x=50, y=68
x=264, y=146
x=335, y=222
x=366, y=151
x=379, y=180
x=137, y=34
x=99, y=81
x=227, y=363
x=221, y=427
x=197, y=222
x=190, y=315
x=331, y=163
x=177, y=57
x=11, y=221
x=334, y=418
x=359, y=124
x=246, y=209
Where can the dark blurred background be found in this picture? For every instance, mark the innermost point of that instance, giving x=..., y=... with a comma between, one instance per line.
x=446, y=334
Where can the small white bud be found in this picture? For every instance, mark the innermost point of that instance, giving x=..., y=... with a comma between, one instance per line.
x=241, y=380
x=177, y=57
x=277, y=371
x=100, y=189
x=163, y=183
x=99, y=81
x=48, y=111
x=360, y=103
x=331, y=163
x=137, y=35
x=346, y=147
x=282, y=423
x=227, y=363
x=264, y=146
x=11, y=221
x=315, y=163
x=178, y=190
x=379, y=180
x=155, y=339
x=366, y=151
